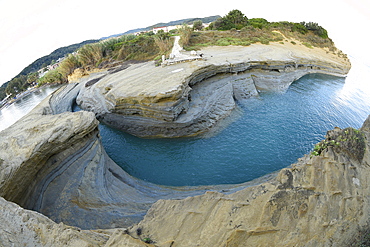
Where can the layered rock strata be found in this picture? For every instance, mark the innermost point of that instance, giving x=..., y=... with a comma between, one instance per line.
x=189, y=98
x=322, y=200
x=54, y=163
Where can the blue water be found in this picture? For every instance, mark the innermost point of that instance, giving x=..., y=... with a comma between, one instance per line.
x=272, y=132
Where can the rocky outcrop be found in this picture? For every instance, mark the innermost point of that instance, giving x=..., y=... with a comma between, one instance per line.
x=189, y=98
x=322, y=200
x=54, y=163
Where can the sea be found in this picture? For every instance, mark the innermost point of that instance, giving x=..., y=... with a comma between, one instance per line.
x=261, y=136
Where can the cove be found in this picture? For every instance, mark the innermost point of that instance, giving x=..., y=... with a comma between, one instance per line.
x=271, y=132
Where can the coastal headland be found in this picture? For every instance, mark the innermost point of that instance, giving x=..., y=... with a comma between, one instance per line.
x=189, y=98
x=52, y=161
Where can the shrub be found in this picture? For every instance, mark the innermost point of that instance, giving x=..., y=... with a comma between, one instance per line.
x=316, y=28
x=198, y=25
x=52, y=77
x=308, y=45
x=90, y=54
x=68, y=65
x=163, y=41
x=258, y=23
x=185, y=34
x=299, y=27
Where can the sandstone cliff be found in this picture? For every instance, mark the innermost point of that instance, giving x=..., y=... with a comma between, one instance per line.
x=52, y=161
x=189, y=98
x=322, y=200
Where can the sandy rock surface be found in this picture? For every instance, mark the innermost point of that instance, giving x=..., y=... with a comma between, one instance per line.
x=52, y=161
x=189, y=98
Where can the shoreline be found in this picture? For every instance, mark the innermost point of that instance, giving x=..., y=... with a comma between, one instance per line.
x=24, y=94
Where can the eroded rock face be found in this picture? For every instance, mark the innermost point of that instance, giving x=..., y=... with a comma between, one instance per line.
x=320, y=201
x=189, y=98
x=54, y=163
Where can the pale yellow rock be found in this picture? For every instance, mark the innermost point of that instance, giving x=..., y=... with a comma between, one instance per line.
x=53, y=161
x=319, y=201
x=150, y=101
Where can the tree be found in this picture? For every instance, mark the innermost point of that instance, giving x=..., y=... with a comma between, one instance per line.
x=237, y=18
x=318, y=30
x=2, y=93
x=32, y=77
x=198, y=25
x=234, y=19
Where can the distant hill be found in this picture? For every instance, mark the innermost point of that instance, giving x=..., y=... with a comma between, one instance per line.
x=48, y=59
x=171, y=23
x=61, y=52
x=58, y=53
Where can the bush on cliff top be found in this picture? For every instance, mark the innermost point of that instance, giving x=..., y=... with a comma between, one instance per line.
x=257, y=30
x=232, y=29
x=101, y=54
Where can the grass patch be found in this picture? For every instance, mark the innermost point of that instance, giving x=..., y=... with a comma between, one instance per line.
x=244, y=37
x=307, y=45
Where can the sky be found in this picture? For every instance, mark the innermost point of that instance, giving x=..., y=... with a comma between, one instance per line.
x=30, y=29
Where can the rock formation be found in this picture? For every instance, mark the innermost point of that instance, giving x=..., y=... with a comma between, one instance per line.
x=52, y=161
x=322, y=200
x=189, y=98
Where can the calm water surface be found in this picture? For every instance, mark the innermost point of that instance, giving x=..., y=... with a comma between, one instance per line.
x=15, y=111
x=272, y=133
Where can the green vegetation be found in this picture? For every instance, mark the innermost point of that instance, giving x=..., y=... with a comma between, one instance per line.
x=185, y=33
x=55, y=55
x=232, y=29
x=247, y=36
x=28, y=76
x=2, y=92
x=349, y=141
x=236, y=29
x=103, y=54
x=234, y=19
x=198, y=25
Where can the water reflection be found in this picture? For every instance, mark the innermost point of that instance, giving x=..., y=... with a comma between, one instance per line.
x=17, y=110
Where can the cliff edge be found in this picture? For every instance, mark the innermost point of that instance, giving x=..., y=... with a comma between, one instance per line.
x=189, y=98
x=322, y=200
x=52, y=161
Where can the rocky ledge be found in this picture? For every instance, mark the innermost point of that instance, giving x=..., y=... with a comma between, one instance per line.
x=189, y=98
x=55, y=164
x=58, y=187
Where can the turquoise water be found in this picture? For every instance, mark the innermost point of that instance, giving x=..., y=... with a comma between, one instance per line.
x=270, y=133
